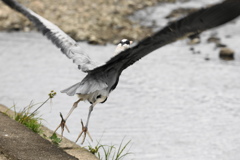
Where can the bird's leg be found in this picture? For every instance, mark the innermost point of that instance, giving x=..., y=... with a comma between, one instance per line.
x=85, y=128
x=63, y=121
x=62, y=125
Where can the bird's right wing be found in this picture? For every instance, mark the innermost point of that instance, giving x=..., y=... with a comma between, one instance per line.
x=192, y=24
x=67, y=45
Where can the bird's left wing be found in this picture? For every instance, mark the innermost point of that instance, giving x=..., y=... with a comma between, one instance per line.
x=67, y=45
x=194, y=23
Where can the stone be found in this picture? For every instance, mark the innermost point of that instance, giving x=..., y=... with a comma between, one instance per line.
x=226, y=54
x=220, y=45
x=213, y=40
x=194, y=39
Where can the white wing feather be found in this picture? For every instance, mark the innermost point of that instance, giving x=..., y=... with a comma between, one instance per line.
x=67, y=45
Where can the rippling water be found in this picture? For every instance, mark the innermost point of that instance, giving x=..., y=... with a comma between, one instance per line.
x=172, y=104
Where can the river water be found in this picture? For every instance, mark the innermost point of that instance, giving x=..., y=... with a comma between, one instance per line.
x=172, y=104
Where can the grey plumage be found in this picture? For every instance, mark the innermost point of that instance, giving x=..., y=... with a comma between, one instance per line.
x=100, y=81
x=192, y=24
x=67, y=45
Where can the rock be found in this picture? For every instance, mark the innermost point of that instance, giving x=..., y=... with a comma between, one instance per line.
x=220, y=45
x=191, y=49
x=214, y=40
x=194, y=39
x=207, y=58
x=94, y=40
x=194, y=51
x=226, y=54
x=217, y=41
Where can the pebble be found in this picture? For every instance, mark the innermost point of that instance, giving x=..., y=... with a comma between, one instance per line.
x=207, y=58
x=194, y=39
x=220, y=45
x=213, y=40
x=226, y=54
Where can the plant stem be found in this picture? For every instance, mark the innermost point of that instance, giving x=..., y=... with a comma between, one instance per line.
x=39, y=107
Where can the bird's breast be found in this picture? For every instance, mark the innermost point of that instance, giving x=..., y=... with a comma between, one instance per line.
x=95, y=97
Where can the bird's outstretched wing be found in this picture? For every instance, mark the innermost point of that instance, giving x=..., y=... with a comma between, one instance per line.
x=192, y=24
x=67, y=45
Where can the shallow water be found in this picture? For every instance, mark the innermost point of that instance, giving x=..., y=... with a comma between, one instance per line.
x=172, y=104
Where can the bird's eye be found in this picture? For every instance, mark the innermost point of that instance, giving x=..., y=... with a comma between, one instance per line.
x=127, y=42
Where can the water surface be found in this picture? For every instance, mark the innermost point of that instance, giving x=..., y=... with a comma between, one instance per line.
x=172, y=104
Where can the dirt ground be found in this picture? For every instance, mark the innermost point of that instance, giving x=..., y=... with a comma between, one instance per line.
x=98, y=21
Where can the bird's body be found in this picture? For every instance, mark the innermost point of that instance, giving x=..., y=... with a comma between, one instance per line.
x=99, y=87
x=93, y=89
x=101, y=80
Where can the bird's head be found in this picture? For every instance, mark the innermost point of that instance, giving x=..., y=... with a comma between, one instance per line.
x=123, y=45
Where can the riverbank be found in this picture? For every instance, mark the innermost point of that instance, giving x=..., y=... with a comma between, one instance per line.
x=18, y=142
x=97, y=22
x=179, y=104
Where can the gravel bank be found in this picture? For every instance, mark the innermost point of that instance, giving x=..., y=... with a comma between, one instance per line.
x=98, y=22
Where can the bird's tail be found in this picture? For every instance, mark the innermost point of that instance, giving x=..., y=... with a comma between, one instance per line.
x=71, y=90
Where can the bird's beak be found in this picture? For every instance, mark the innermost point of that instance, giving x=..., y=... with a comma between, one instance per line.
x=131, y=42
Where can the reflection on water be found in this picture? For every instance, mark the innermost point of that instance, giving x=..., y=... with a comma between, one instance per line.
x=172, y=104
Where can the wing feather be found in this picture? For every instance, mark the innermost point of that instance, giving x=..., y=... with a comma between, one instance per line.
x=194, y=23
x=67, y=45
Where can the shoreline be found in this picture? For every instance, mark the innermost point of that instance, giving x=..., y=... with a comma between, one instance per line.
x=65, y=147
x=81, y=20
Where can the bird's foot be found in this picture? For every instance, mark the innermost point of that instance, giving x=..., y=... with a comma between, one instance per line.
x=62, y=125
x=84, y=132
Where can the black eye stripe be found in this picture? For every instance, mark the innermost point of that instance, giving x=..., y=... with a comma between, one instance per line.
x=125, y=42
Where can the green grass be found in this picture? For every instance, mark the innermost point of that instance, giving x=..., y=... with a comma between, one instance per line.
x=25, y=117
x=33, y=122
x=55, y=140
x=30, y=119
x=110, y=152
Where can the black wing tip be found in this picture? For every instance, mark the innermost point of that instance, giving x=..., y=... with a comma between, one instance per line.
x=194, y=23
x=14, y=5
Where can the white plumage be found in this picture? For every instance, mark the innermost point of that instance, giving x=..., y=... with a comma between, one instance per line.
x=123, y=45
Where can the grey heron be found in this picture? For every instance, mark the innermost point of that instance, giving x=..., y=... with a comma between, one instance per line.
x=101, y=80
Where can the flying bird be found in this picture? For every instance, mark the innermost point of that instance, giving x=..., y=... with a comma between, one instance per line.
x=101, y=80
